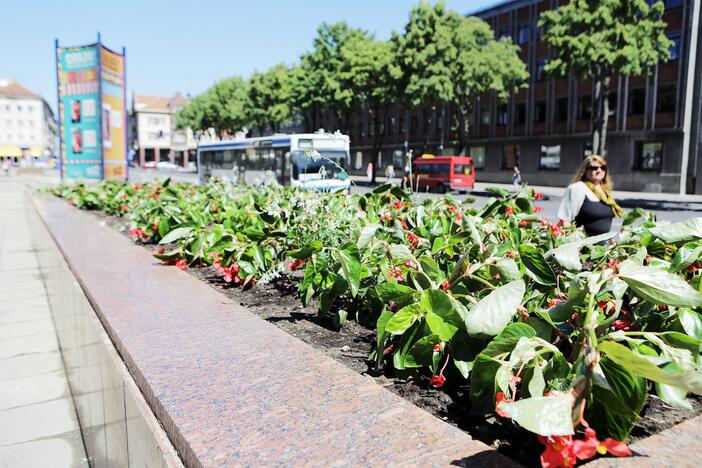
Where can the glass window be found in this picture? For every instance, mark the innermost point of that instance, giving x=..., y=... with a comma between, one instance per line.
x=506, y=31
x=502, y=115
x=539, y=72
x=403, y=125
x=669, y=4
x=30, y=108
x=8, y=123
x=539, y=112
x=20, y=123
x=562, y=109
x=478, y=155
x=510, y=156
x=550, y=157
x=413, y=124
x=485, y=116
x=520, y=113
x=585, y=108
x=19, y=107
x=462, y=169
x=637, y=101
x=649, y=155
x=667, y=97
x=391, y=125
x=30, y=123
x=674, y=50
x=523, y=35
x=8, y=107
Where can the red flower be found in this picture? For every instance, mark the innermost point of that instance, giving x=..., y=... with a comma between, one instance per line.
x=509, y=212
x=445, y=285
x=622, y=325
x=156, y=196
x=182, y=264
x=386, y=218
x=396, y=273
x=124, y=208
x=437, y=348
x=158, y=251
x=538, y=209
x=398, y=205
x=154, y=227
x=231, y=274
x=538, y=196
x=413, y=239
x=560, y=451
x=499, y=398
x=294, y=265
x=452, y=209
x=72, y=202
x=137, y=187
x=388, y=350
x=554, y=301
x=410, y=264
x=591, y=446
x=136, y=232
x=522, y=223
x=437, y=381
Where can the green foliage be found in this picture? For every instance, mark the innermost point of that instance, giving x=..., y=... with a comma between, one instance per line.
x=268, y=103
x=221, y=107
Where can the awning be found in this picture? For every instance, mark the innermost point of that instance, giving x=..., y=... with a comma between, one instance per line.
x=17, y=152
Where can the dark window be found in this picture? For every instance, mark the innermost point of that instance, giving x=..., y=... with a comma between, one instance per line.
x=585, y=108
x=539, y=34
x=612, y=100
x=371, y=129
x=550, y=157
x=649, y=155
x=523, y=34
x=439, y=122
x=539, y=112
x=478, y=155
x=506, y=31
x=462, y=169
x=562, y=109
x=510, y=156
x=539, y=73
x=669, y=4
x=413, y=124
x=674, y=51
x=391, y=125
x=637, y=101
x=502, y=114
x=667, y=97
x=520, y=113
x=485, y=116
x=443, y=169
x=403, y=125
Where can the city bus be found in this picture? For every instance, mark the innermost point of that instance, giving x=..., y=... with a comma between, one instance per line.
x=315, y=161
x=443, y=173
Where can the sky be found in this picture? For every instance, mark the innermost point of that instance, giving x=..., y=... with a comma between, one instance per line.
x=183, y=45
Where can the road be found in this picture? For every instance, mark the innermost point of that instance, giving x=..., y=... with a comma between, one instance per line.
x=663, y=209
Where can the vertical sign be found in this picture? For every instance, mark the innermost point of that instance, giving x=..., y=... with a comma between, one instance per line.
x=114, y=123
x=79, y=107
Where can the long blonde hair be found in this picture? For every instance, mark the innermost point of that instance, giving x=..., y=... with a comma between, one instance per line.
x=593, y=158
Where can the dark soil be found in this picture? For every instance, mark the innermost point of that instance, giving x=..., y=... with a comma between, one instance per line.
x=351, y=344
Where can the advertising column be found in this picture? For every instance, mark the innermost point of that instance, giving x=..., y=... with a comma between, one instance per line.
x=79, y=91
x=114, y=123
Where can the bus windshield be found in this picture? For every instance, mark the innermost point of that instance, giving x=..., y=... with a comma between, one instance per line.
x=334, y=163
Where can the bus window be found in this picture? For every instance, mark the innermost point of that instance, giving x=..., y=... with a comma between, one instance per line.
x=443, y=169
x=463, y=169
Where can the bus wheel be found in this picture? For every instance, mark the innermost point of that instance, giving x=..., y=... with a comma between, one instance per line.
x=441, y=188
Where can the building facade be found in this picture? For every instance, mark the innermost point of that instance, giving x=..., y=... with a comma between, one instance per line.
x=654, y=132
x=28, y=129
x=153, y=136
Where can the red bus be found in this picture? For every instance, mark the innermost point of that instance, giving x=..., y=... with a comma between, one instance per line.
x=443, y=173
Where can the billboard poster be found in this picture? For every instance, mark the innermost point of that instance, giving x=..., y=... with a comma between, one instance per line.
x=79, y=112
x=114, y=124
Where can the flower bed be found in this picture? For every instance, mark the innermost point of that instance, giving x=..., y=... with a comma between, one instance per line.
x=547, y=329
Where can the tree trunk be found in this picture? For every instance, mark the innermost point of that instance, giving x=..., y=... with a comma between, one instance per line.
x=464, y=110
x=378, y=116
x=597, y=114
x=441, y=127
x=605, y=116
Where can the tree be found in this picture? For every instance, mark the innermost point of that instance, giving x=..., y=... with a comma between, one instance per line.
x=221, y=107
x=268, y=103
x=447, y=58
x=370, y=73
x=600, y=38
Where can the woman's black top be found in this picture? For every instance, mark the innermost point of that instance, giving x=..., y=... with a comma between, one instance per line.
x=595, y=217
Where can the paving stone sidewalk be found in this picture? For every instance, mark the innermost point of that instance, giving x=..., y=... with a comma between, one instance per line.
x=38, y=422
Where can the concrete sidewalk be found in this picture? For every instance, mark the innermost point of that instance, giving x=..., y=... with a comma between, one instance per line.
x=38, y=422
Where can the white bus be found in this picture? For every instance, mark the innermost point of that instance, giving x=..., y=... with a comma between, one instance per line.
x=311, y=161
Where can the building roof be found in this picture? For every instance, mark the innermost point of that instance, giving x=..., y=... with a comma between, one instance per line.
x=501, y=6
x=10, y=88
x=159, y=103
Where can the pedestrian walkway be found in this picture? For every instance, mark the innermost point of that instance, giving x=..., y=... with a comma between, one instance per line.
x=38, y=422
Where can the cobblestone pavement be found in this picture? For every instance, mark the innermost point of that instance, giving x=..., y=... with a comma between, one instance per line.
x=38, y=422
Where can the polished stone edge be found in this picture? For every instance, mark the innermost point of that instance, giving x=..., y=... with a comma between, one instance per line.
x=166, y=449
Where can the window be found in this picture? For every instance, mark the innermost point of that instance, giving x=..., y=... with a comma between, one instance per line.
x=510, y=156
x=478, y=155
x=391, y=125
x=585, y=108
x=539, y=112
x=562, y=109
x=20, y=123
x=520, y=113
x=670, y=4
x=485, y=116
x=31, y=138
x=550, y=157
x=462, y=169
x=19, y=107
x=506, y=31
x=30, y=123
x=539, y=72
x=523, y=34
x=8, y=123
x=403, y=125
x=441, y=169
x=674, y=51
x=637, y=101
x=30, y=108
x=8, y=108
x=502, y=114
x=413, y=124
x=667, y=97
x=649, y=155
x=20, y=138
x=612, y=102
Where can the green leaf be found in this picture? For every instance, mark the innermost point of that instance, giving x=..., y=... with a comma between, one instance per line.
x=431, y=269
x=306, y=288
x=677, y=232
x=508, y=268
x=567, y=256
x=400, y=252
x=442, y=317
x=175, y=235
x=674, y=396
x=545, y=416
x=659, y=286
x=394, y=292
x=535, y=265
x=163, y=226
x=403, y=319
x=691, y=322
x=381, y=326
x=537, y=383
x=686, y=256
x=351, y=266
x=494, y=312
x=366, y=235
x=305, y=252
x=421, y=353
x=687, y=380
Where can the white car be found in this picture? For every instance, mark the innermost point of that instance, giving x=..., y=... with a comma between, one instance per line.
x=165, y=165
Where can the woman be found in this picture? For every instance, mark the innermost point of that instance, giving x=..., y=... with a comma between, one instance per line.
x=588, y=199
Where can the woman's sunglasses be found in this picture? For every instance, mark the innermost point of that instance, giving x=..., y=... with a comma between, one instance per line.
x=595, y=168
